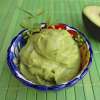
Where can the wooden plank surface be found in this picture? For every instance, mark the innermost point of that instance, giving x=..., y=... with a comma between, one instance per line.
x=65, y=11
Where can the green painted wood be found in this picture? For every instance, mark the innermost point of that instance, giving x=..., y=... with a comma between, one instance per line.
x=21, y=93
x=41, y=95
x=6, y=19
x=4, y=7
x=97, y=61
x=95, y=78
x=65, y=11
x=8, y=84
x=4, y=80
x=51, y=95
x=70, y=94
x=61, y=95
x=79, y=91
x=31, y=94
x=88, y=89
x=7, y=39
x=11, y=92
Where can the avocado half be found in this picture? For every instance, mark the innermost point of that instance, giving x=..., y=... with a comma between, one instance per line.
x=91, y=19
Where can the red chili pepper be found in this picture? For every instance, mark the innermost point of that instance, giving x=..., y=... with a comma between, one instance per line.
x=72, y=32
x=60, y=26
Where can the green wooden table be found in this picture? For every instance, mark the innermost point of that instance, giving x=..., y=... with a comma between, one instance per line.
x=65, y=11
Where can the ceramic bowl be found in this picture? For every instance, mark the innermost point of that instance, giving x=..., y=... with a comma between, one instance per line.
x=19, y=41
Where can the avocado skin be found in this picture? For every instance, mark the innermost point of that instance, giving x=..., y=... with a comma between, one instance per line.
x=91, y=27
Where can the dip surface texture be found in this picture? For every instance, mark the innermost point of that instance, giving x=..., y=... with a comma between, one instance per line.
x=50, y=57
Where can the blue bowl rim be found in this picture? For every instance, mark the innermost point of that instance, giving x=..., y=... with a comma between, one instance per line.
x=57, y=87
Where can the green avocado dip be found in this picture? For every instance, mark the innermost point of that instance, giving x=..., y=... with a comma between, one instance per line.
x=50, y=57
